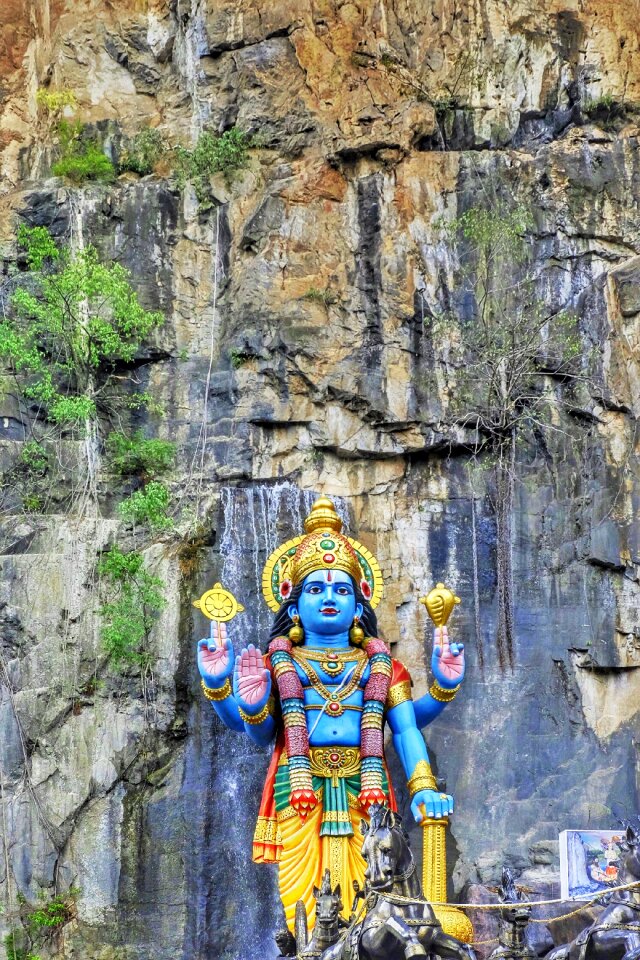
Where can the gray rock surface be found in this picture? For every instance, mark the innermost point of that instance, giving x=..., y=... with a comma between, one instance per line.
x=133, y=792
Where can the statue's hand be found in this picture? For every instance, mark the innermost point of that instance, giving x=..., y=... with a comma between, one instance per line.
x=216, y=656
x=430, y=803
x=251, y=681
x=447, y=662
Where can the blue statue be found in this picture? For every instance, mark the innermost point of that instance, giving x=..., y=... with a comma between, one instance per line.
x=322, y=693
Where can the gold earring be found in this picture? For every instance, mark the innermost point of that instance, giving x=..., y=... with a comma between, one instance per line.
x=296, y=634
x=356, y=633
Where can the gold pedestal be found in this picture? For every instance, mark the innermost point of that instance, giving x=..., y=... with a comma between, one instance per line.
x=434, y=880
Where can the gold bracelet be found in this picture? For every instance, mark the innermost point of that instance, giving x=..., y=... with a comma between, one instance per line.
x=253, y=719
x=422, y=778
x=441, y=694
x=216, y=693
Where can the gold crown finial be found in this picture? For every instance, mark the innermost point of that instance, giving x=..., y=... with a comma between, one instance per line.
x=323, y=516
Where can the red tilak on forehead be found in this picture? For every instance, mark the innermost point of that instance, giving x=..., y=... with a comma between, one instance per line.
x=328, y=576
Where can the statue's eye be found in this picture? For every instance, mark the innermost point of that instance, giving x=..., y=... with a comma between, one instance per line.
x=343, y=590
x=315, y=589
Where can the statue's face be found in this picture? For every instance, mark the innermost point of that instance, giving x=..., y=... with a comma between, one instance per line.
x=327, y=604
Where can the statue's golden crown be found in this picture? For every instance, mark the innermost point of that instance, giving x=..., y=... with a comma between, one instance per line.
x=324, y=547
x=321, y=547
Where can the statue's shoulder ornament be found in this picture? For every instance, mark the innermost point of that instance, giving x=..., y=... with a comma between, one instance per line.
x=400, y=685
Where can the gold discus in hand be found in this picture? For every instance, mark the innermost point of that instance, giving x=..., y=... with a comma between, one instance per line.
x=218, y=604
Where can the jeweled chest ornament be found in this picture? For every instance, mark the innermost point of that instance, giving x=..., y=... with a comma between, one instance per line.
x=335, y=694
x=332, y=662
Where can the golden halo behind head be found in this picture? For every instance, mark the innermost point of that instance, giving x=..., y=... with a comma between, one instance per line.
x=323, y=548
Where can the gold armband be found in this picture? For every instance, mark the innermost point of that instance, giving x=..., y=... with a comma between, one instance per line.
x=398, y=693
x=441, y=693
x=421, y=778
x=253, y=719
x=216, y=693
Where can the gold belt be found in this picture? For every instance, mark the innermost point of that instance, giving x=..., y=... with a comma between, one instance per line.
x=334, y=762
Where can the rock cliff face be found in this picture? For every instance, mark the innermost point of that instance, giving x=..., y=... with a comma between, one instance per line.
x=297, y=357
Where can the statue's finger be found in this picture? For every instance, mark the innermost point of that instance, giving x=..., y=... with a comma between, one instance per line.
x=203, y=644
x=437, y=651
x=455, y=649
x=222, y=631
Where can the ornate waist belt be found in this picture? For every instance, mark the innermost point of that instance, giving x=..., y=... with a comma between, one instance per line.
x=334, y=762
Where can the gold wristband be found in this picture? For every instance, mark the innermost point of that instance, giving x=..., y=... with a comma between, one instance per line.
x=441, y=693
x=216, y=693
x=422, y=778
x=253, y=719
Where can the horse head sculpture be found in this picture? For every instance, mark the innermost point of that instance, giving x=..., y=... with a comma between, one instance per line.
x=328, y=902
x=385, y=848
x=510, y=896
x=630, y=845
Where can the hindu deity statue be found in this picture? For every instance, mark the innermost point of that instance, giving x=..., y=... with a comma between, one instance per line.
x=322, y=693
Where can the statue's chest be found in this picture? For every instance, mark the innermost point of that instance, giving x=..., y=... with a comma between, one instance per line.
x=326, y=672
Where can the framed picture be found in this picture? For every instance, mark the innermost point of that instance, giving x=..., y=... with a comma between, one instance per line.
x=589, y=862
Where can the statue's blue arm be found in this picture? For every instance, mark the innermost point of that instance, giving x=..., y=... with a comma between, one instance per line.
x=427, y=709
x=412, y=749
x=407, y=738
x=228, y=712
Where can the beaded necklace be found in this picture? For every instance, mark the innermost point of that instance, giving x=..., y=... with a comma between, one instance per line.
x=341, y=691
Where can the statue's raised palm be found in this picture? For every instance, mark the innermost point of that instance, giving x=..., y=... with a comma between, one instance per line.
x=447, y=661
x=251, y=682
x=215, y=656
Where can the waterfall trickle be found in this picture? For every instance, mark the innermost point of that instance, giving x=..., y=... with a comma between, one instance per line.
x=256, y=520
x=238, y=908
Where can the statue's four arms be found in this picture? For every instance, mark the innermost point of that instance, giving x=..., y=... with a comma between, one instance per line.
x=323, y=693
x=242, y=708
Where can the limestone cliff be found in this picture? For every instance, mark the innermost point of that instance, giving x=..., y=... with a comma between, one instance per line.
x=297, y=357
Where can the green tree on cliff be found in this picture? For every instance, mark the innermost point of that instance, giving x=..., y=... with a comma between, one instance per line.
x=507, y=352
x=68, y=324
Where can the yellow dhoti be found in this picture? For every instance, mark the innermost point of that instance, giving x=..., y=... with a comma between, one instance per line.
x=329, y=837
x=306, y=855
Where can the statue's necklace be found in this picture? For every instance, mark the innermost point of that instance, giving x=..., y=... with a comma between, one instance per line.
x=332, y=661
x=343, y=691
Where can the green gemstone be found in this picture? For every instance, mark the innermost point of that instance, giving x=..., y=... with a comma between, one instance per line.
x=327, y=544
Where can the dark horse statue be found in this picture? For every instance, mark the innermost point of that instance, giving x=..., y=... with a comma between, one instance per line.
x=327, y=928
x=399, y=923
x=514, y=918
x=615, y=935
x=328, y=924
